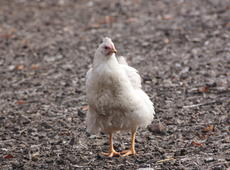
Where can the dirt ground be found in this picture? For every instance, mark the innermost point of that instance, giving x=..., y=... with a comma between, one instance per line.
x=181, y=49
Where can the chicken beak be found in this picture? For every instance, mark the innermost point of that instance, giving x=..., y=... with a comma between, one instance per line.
x=113, y=50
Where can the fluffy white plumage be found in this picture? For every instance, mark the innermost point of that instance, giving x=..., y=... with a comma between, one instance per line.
x=113, y=90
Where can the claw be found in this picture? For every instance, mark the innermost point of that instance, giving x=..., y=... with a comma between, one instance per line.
x=131, y=151
x=111, y=153
x=128, y=152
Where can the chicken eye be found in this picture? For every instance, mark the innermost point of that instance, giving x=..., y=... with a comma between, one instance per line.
x=106, y=47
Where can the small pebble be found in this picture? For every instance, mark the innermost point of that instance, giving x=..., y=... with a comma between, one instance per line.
x=209, y=159
x=72, y=141
x=93, y=137
x=151, y=137
x=218, y=167
x=158, y=129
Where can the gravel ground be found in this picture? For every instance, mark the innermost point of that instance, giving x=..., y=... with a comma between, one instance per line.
x=181, y=49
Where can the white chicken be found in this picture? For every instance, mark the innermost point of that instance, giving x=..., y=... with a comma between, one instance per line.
x=115, y=98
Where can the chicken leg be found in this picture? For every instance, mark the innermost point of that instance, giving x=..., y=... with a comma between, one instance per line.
x=131, y=151
x=111, y=152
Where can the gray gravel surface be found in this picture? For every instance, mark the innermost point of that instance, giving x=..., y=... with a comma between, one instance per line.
x=181, y=49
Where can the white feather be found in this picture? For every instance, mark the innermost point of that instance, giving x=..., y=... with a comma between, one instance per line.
x=116, y=100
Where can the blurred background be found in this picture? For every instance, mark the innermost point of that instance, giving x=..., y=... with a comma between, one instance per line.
x=181, y=49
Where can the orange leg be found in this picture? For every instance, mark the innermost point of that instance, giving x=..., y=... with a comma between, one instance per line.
x=131, y=151
x=111, y=152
